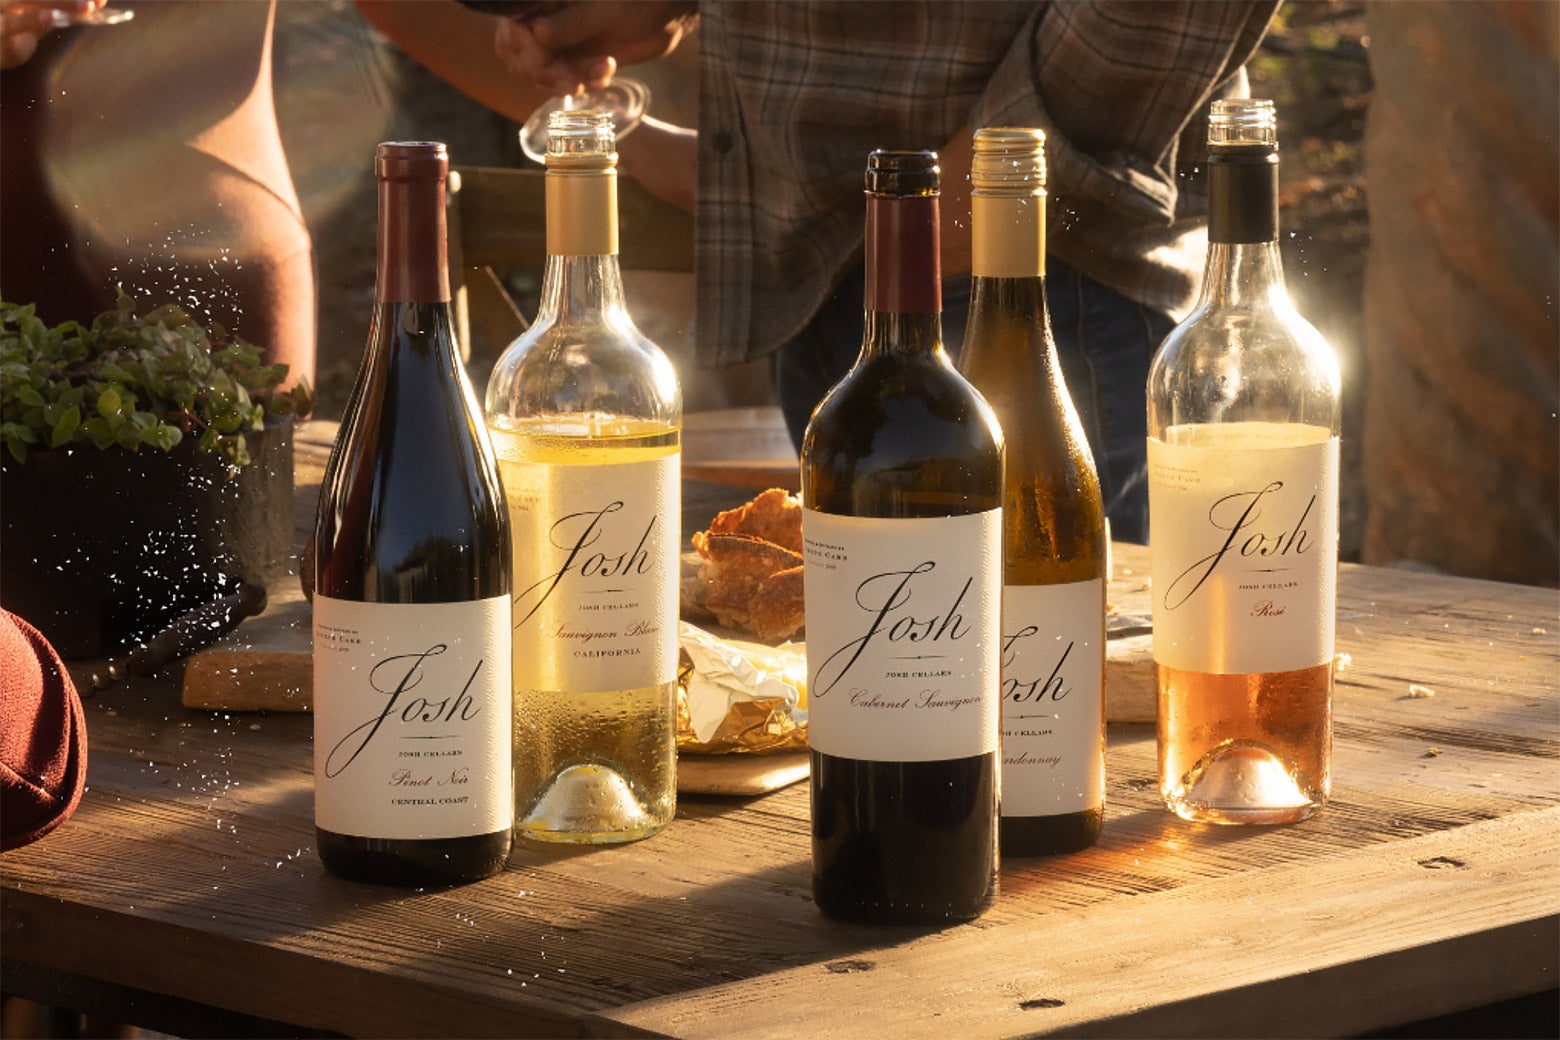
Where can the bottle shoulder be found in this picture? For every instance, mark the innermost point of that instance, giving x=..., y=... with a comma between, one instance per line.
x=428, y=450
x=1250, y=335
x=930, y=399
x=888, y=441
x=411, y=508
x=602, y=366
x=1231, y=364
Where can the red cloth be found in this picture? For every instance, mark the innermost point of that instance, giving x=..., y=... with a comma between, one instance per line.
x=43, y=736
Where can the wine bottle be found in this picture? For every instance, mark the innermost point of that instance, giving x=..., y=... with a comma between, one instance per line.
x=1243, y=420
x=411, y=580
x=1053, y=519
x=902, y=541
x=586, y=417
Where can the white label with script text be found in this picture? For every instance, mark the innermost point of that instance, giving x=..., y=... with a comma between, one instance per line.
x=903, y=635
x=1053, y=698
x=1244, y=546
x=596, y=580
x=412, y=718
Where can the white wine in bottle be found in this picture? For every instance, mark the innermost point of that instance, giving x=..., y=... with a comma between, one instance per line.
x=585, y=415
x=1243, y=419
x=1053, y=519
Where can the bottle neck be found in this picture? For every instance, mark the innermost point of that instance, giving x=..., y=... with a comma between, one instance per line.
x=903, y=298
x=1244, y=265
x=415, y=333
x=1007, y=240
x=582, y=278
x=413, y=264
x=581, y=288
x=1243, y=275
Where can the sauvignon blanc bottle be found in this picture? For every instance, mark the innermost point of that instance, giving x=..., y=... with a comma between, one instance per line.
x=1243, y=421
x=902, y=532
x=1053, y=519
x=412, y=584
x=586, y=417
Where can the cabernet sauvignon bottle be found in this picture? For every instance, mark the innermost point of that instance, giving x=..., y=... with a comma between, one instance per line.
x=902, y=531
x=1053, y=519
x=1243, y=451
x=412, y=580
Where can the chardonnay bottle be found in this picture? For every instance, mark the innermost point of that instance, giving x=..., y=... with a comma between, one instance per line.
x=902, y=540
x=411, y=580
x=1243, y=420
x=586, y=416
x=1053, y=519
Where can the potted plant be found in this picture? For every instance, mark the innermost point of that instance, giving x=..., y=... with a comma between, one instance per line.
x=146, y=470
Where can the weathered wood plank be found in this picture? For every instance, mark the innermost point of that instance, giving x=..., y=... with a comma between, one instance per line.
x=1239, y=957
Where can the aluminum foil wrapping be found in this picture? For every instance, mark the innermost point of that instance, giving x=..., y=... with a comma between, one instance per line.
x=736, y=696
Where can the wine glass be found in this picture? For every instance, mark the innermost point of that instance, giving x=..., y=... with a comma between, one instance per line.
x=63, y=19
x=625, y=100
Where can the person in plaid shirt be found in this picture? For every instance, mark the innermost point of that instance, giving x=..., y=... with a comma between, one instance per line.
x=794, y=95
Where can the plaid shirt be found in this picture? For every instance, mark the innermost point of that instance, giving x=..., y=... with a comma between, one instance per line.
x=794, y=95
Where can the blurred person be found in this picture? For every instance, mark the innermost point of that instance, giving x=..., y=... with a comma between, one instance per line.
x=794, y=95
x=146, y=155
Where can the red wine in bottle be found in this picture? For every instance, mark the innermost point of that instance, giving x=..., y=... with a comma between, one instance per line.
x=902, y=532
x=412, y=580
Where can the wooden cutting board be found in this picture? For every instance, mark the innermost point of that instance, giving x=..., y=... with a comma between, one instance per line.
x=265, y=664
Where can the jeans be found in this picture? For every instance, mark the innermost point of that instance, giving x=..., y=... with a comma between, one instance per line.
x=1105, y=342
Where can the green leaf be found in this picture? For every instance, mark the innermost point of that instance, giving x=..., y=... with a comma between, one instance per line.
x=164, y=436
x=128, y=436
x=99, y=431
x=140, y=378
x=65, y=427
x=17, y=431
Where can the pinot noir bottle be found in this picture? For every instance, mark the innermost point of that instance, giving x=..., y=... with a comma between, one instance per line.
x=412, y=580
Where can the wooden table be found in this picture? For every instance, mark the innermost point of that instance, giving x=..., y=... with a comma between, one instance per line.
x=1430, y=884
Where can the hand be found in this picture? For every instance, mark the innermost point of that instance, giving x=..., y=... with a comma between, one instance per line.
x=664, y=159
x=575, y=47
x=24, y=22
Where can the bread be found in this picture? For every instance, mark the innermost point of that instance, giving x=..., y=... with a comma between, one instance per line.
x=750, y=574
x=774, y=516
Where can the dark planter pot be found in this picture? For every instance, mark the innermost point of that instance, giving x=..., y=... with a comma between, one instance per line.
x=104, y=549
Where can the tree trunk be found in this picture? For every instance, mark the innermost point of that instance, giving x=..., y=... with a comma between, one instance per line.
x=1462, y=447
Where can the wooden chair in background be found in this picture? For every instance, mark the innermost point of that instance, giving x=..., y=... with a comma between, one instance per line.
x=497, y=221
